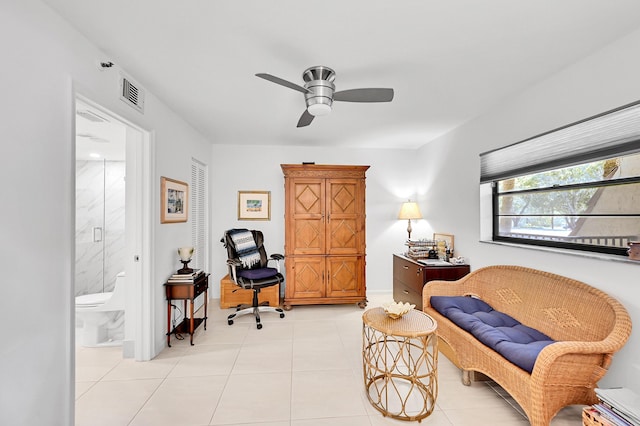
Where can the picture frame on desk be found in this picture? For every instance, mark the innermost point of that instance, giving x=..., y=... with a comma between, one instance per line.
x=447, y=238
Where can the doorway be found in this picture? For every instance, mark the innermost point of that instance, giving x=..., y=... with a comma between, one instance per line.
x=112, y=225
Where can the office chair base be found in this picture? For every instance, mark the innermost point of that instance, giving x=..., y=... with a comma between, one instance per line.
x=255, y=310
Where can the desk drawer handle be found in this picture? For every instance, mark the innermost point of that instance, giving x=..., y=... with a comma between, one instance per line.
x=405, y=291
x=405, y=266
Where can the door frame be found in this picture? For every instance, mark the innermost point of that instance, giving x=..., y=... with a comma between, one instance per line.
x=139, y=310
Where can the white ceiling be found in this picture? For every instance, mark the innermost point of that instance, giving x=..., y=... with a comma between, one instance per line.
x=447, y=60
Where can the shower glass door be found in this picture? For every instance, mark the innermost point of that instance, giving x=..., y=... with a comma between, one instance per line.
x=100, y=237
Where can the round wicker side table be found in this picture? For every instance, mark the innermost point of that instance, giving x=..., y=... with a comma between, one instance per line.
x=400, y=359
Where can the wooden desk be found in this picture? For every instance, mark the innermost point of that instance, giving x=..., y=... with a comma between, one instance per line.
x=187, y=291
x=409, y=276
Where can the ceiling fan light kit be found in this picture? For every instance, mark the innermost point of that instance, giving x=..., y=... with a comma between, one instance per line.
x=319, y=92
x=318, y=109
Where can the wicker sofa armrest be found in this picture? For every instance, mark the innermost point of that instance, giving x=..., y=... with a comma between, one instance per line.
x=589, y=362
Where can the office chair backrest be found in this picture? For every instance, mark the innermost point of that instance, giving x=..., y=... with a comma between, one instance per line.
x=230, y=239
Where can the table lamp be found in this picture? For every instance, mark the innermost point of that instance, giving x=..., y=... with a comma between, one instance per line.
x=185, y=254
x=409, y=210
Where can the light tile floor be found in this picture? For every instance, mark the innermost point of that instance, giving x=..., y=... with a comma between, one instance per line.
x=303, y=370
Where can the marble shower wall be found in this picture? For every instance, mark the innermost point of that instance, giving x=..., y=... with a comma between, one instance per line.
x=100, y=202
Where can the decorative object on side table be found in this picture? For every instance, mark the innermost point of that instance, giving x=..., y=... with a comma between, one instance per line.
x=421, y=249
x=408, y=211
x=185, y=253
x=396, y=310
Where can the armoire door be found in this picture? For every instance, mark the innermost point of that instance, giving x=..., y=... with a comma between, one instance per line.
x=308, y=274
x=344, y=217
x=344, y=276
x=308, y=217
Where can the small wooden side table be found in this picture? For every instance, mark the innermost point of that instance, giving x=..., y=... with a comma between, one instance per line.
x=187, y=291
x=400, y=359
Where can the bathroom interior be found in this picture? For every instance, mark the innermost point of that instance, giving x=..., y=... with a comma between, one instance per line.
x=100, y=228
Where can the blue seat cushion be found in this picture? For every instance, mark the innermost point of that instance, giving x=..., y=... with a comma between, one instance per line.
x=514, y=341
x=257, y=273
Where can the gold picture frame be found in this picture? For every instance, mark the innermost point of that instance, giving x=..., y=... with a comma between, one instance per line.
x=254, y=205
x=174, y=200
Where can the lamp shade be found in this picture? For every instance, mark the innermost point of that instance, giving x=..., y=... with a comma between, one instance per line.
x=410, y=210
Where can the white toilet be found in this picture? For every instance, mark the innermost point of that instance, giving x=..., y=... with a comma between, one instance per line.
x=100, y=314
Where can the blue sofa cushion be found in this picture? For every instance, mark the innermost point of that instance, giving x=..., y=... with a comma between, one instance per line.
x=514, y=341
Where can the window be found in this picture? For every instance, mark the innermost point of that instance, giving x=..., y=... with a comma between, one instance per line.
x=593, y=206
x=577, y=187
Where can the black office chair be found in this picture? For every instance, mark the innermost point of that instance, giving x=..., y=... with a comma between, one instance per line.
x=247, y=260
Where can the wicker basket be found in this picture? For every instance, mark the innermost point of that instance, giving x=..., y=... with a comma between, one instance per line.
x=591, y=417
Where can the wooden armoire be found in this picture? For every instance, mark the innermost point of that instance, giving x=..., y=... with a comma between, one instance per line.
x=325, y=243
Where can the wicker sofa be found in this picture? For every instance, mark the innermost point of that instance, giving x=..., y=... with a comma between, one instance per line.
x=587, y=325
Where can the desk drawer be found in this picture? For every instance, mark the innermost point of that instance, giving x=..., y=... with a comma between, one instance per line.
x=406, y=294
x=200, y=287
x=407, y=272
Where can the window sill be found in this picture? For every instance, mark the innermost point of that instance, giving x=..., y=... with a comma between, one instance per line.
x=579, y=253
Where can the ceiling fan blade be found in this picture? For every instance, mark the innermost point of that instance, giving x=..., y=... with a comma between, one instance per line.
x=305, y=119
x=282, y=82
x=364, y=95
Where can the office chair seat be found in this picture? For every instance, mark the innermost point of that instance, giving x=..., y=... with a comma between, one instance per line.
x=247, y=261
x=258, y=274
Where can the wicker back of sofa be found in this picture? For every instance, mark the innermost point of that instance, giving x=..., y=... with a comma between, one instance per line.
x=562, y=308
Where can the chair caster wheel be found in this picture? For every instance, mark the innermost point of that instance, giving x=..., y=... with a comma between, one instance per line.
x=230, y=322
x=259, y=326
x=281, y=315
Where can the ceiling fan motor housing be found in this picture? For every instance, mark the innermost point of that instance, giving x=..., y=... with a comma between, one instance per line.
x=319, y=72
x=319, y=82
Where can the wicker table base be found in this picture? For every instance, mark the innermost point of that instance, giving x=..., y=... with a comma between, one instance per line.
x=400, y=358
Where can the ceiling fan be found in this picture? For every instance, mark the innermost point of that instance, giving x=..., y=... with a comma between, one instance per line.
x=319, y=92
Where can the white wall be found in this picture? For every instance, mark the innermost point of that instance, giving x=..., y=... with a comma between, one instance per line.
x=600, y=82
x=390, y=180
x=43, y=60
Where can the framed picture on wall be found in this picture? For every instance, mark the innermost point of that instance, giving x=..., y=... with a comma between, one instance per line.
x=254, y=205
x=174, y=196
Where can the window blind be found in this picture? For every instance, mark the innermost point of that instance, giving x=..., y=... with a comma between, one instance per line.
x=606, y=135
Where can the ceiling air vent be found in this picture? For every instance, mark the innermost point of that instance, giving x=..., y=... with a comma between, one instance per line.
x=131, y=93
